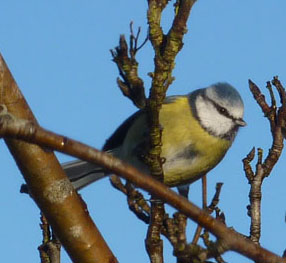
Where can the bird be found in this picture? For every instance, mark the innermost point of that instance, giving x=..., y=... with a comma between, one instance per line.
x=197, y=130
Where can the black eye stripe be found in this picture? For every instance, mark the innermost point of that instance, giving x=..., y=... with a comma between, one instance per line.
x=221, y=109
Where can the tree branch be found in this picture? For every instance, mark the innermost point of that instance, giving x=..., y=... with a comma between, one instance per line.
x=131, y=85
x=50, y=249
x=231, y=240
x=166, y=48
x=47, y=182
x=276, y=117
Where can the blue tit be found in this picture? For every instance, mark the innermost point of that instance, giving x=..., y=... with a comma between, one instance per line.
x=198, y=129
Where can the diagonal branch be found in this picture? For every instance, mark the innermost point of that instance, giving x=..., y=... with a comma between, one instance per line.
x=48, y=184
x=230, y=239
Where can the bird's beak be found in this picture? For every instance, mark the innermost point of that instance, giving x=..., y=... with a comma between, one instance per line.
x=240, y=122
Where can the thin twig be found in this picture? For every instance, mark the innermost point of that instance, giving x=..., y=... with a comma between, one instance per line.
x=131, y=85
x=137, y=204
x=209, y=209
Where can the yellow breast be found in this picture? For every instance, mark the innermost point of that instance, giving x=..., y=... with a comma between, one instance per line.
x=189, y=150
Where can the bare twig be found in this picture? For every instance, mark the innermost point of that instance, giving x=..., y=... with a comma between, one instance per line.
x=215, y=249
x=117, y=184
x=209, y=209
x=260, y=99
x=46, y=238
x=137, y=204
x=246, y=165
x=131, y=85
x=213, y=205
x=276, y=117
x=255, y=194
x=204, y=198
x=204, y=191
x=181, y=222
x=51, y=247
x=133, y=43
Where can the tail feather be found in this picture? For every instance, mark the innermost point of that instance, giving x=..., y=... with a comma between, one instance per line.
x=82, y=173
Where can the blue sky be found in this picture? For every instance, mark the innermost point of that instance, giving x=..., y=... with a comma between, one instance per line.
x=58, y=52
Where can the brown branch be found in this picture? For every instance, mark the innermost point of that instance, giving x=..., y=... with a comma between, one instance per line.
x=153, y=242
x=46, y=238
x=260, y=99
x=231, y=240
x=255, y=197
x=246, y=165
x=276, y=117
x=204, y=198
x=166, y=48
x=277, y=131
x=154, y=14
x=209, y=209
x=50, y=249
x=214, y=249
x=192, y=253
x=204, y=191
x=117, y=184
x=133, y=41
x=132, y=85
x=136, y=202
x=174, y=229
x=255, y=194
x=215, y=200
x=48, y=184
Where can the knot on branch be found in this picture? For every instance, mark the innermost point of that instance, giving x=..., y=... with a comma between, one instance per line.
x=11, y=126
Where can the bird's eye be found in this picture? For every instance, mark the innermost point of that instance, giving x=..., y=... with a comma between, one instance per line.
x=222, y=110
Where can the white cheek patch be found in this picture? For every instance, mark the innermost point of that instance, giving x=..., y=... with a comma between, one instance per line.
x=211, y=119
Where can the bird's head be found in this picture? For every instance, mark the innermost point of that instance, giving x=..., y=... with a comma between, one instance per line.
x=219, y=109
